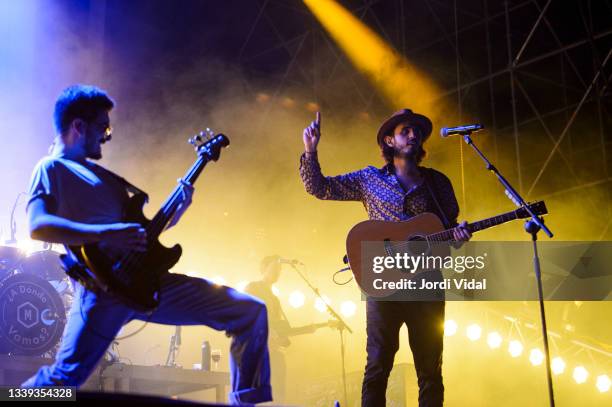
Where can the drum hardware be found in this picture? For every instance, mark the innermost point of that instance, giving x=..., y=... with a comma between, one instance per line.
x=35, y=295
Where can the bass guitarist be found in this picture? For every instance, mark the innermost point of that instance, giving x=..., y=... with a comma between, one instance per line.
x=398, y=191
x=74, y=201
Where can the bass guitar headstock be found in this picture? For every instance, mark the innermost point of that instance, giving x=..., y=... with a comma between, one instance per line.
x=209, y=144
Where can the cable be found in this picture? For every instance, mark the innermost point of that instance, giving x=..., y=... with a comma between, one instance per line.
x=101, y=335
x=342, y=271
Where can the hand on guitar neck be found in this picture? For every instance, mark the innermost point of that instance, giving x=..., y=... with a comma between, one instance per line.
x=461, y=234
x=187, y=190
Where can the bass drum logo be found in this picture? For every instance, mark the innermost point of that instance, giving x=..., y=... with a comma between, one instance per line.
x=32, y=315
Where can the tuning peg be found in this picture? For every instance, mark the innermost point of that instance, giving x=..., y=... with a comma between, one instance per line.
x=195, y=139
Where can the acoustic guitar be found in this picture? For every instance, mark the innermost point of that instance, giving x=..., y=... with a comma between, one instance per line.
x=423, y=233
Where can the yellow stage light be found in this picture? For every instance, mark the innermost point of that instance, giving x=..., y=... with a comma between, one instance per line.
x=219, y=280
x=296, y=299
x=536, y=357
x=494, y=340
x=557, y=365
x=450, y=327
x=515, y=348
x=398, y=81
x=603, y=383
x=348, y=308
x=320, y=303
x=275, y=290
x=580, y=374
x=473, y=332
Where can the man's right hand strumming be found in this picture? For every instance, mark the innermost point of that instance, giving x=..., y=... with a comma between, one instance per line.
x=312, y=135
x=125, y=235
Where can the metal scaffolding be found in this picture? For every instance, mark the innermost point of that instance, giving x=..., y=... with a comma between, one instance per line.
x=536, y=73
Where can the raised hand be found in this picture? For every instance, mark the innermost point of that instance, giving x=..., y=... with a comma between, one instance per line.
x=312, y=135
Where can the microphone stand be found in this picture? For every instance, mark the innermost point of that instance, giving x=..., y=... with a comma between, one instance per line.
x=175, y=343
x=342, y=326
x=532, y=226
x=13, y=225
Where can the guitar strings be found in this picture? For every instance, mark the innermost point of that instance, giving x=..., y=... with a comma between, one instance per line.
x=446, y=236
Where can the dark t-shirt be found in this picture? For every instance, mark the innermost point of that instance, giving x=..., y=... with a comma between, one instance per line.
x=79, y=191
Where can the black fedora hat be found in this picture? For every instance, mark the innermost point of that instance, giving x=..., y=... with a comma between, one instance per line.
x=404, y=115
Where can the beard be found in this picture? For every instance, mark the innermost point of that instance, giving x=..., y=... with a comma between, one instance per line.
x=94, y=151
x=407, y=153
x=95, y=155
x=92, y=147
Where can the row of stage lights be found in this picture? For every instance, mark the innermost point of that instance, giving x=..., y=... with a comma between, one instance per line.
x=297, y=299
x=536, y=356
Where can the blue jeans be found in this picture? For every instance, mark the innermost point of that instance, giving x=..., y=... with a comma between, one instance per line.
x=96, y=318
x=425, y=323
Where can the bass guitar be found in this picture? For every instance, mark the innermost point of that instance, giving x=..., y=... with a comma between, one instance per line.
x=130, y=276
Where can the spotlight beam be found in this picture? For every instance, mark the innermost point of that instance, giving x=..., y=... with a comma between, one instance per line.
x=399, y=82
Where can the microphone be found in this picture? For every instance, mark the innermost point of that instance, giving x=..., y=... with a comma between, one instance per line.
x=461, y=130
x=106, y=138
x=292, y=262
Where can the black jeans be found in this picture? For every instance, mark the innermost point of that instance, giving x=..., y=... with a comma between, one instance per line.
x=425, y=322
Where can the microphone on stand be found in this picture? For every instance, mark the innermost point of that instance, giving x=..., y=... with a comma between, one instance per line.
x=292, y=262
x=461, y=130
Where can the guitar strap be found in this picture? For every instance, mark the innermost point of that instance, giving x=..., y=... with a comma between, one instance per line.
x=131, y=188
x=428, y=182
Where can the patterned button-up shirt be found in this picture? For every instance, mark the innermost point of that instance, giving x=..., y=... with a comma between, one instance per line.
x=381, y=193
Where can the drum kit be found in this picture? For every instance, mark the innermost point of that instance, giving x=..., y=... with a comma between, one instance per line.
x=35, y=295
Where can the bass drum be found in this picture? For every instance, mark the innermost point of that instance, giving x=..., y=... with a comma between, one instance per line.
x=32, y=315
x=45, y=264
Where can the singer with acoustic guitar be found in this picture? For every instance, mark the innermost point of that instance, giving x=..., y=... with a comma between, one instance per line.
x=398, y=191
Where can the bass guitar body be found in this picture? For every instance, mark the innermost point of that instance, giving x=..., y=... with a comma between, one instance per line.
x=133, y=277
